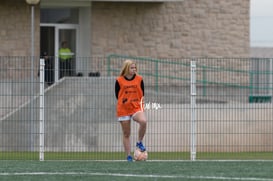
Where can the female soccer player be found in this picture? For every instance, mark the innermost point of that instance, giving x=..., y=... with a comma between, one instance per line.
x=129, y=90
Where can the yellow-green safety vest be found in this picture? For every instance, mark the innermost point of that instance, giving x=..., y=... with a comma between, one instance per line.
x=65, y=53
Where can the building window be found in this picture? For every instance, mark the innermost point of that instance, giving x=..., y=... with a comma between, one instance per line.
x=60, y=15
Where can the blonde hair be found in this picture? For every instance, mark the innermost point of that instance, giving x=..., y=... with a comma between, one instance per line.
x=126, y=67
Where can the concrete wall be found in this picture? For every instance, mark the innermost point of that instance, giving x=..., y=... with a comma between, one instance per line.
x=219, y=127
x=80, y=116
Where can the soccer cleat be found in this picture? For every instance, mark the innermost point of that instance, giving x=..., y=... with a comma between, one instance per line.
x=129, y=158
x=140, y=146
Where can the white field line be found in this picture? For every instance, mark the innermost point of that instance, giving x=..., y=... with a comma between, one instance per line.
x=135, y=175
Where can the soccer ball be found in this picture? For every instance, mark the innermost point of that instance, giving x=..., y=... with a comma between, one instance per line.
x=140, y=156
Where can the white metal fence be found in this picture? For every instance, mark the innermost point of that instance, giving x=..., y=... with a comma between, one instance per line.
x=195, y=110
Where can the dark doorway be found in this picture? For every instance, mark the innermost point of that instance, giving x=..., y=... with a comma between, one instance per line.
x=47, y=48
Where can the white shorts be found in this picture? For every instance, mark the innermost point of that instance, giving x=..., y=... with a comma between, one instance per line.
x=126, y=118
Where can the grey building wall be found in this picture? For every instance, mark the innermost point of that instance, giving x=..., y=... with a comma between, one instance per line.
x=261, y=52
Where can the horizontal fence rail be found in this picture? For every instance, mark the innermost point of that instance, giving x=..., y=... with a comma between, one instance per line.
x=201, y=108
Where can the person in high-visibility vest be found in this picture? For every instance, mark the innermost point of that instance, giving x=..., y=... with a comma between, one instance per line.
x=65, y=56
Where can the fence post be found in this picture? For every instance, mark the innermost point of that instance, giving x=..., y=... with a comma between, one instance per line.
x=193, y=110
x=42, y=108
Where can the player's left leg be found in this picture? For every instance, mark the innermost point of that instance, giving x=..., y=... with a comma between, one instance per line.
x=140, y=118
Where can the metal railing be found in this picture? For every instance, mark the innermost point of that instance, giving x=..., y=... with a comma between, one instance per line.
x=191, y=114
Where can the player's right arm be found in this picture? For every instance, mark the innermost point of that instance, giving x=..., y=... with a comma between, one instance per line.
x=142, y=86
x=117, y=88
